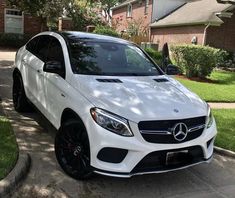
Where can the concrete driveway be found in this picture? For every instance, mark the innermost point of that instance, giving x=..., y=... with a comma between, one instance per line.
x=45, y=179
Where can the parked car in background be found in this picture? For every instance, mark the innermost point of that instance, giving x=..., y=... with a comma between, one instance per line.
x=117, y=113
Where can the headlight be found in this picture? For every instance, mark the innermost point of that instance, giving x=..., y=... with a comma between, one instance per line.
x=111, y=122
x=210, y=118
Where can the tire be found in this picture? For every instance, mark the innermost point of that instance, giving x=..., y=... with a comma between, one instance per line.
x=20, y=99
x=72, y=150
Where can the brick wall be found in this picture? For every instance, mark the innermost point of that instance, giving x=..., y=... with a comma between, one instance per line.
x=65, y=24
x=138, y=13
x=224, y=35
x=176, y=35
x=32, y=25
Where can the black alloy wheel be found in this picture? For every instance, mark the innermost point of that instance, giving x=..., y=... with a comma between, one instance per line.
x=72, y=149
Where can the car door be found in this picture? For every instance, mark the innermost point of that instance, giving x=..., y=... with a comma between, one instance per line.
x=29, y=57
x=55, y=85
x=35, y=61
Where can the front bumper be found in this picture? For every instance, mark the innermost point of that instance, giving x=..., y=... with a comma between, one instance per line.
x=138, y=149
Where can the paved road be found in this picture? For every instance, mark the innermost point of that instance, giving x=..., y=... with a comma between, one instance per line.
x=46, y=179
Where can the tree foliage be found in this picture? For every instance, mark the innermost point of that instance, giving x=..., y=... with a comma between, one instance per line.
x=46, y=10
x=83, y=13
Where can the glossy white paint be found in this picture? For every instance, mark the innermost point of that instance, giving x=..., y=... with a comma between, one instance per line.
x=136, y=99
x=141, y=97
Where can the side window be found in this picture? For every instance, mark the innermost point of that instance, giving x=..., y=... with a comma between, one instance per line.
x=55, y=51
x=55, y=54
x=129, y=10
x=32, y=45
x=42, y=47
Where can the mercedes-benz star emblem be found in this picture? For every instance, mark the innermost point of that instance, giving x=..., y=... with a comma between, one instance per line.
x=180, y=131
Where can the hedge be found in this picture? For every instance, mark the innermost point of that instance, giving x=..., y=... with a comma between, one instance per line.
x=196, y=60
x=106, y=31
x=155, y=55
x=13, y=40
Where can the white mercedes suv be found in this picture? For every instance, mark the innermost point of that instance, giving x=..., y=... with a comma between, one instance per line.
x=117, y=113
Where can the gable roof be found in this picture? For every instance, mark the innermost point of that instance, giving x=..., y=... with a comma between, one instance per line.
x=193, y=13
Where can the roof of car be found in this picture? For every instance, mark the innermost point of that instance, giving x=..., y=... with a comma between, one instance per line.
x=91, y=37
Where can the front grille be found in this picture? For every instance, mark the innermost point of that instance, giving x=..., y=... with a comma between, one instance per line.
x=157, y=161
x=161, y=130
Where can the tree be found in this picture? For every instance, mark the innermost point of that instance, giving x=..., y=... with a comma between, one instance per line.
x=105, y=5
x=83, y=13
x=46, y=10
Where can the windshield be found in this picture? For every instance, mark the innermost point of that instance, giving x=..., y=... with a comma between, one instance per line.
x=106, y=58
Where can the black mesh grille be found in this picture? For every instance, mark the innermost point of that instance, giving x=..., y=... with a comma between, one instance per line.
x=157, y=161
x=109, y=80
x=161, y=80
x=168, y=125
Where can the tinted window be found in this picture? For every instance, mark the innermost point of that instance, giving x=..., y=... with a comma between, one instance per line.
x=55, y=51
x=42, y=47
x=106, y=58
x=32, y=44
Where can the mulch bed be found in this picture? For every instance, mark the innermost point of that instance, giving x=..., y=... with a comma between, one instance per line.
x=206, y=80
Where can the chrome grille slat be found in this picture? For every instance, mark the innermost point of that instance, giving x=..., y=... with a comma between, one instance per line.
x=161, y=131
x=170, y=131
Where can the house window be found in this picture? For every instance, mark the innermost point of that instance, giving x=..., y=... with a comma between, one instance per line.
x=129, y=10
x=146, y=7
x=14, y=21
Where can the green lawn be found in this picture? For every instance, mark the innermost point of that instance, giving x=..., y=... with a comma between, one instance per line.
x=222, y=88
x=8, y=147
x=225, y=119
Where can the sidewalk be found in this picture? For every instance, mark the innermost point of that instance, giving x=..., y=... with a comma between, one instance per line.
x=7, y=55
x=222, y=105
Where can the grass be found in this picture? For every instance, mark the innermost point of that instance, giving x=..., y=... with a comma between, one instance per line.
x=8, y=147
x=225, y=119
x=220, y=88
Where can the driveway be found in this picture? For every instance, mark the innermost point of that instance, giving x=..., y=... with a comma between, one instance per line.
x=45, y=179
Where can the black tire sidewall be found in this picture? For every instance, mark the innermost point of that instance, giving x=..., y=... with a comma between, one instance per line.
x=84, y=174
x=21, y=104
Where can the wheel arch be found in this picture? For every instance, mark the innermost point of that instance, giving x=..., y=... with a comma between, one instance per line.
x=68, y=114
x=15, y=72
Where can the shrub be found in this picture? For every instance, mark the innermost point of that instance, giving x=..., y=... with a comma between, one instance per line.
x=225, y=59
x=155, y=55
x=13, y=40
x=196, y=60
x=106, y=31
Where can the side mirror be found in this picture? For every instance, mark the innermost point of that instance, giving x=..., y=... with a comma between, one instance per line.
x=172, y=70
x=53, y=67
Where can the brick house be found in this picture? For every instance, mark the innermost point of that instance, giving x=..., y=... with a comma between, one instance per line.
x=204, y=22
x=139, y=11
x=15, y=21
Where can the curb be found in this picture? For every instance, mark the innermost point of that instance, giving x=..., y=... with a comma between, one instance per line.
x=224, y=152
x=19, y=172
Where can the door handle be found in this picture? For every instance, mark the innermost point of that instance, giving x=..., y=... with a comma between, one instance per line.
x=39, y=71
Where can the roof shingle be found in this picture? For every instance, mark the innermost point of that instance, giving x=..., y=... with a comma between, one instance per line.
x=198, y=12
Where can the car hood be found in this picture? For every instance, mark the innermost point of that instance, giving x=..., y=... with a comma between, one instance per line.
x=141, y=98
